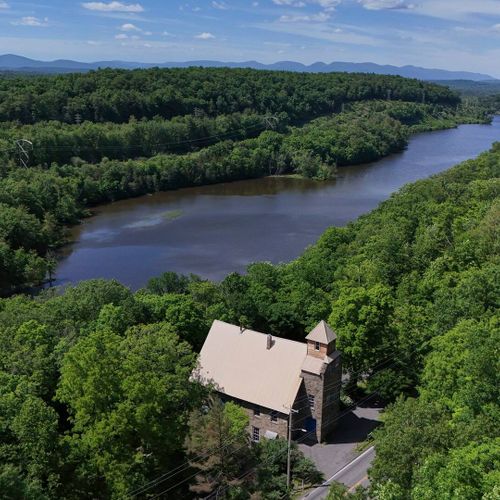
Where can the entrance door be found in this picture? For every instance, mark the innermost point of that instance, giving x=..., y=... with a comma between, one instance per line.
x=310, y=424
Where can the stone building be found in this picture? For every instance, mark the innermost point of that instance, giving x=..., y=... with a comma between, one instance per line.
x=269, y=375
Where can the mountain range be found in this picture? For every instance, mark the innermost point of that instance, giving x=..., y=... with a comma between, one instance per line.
x=11, y=62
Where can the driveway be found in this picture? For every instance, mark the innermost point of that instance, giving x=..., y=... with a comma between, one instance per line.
x=354, y=474
x=353, y=428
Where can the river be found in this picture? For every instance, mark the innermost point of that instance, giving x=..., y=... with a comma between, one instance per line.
x=214, y=230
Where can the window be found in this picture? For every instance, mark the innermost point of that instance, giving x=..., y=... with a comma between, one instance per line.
x=255, y=434
x=316, y=346
x=311, y=401
x=274, y=416
x=256, y=411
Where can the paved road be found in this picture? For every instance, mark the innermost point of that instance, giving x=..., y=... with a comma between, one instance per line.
x=354, y=474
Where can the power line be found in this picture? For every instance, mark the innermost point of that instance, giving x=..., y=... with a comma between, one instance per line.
x=302, y=438
x=269, y=122
x=331, y=420
x=171, y=473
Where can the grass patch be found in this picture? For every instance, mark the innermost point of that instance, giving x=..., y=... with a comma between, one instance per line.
x=172, y=214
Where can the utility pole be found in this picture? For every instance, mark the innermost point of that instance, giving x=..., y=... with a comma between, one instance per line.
x=24, y=147
x=289, y=456
x=271, y=122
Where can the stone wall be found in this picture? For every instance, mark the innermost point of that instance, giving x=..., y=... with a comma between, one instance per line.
x=331, y=397
x=326, y=391
x=263, y=421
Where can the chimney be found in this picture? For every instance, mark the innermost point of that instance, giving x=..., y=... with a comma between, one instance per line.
x=269, y=341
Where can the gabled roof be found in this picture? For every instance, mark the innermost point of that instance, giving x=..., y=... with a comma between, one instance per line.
x=322, y=333
x=240, y=365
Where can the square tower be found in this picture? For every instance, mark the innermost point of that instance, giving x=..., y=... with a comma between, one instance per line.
x=322, y=376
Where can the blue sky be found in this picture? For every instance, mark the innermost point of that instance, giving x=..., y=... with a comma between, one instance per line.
x=449, y=34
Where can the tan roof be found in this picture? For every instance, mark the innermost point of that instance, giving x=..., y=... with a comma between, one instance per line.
x=322, y=333
x=240, y=365
x=313, y=365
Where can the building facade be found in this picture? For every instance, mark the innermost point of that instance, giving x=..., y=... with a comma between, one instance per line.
x=270, y=377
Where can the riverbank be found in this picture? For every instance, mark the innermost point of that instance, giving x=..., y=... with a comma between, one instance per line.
x=43, y=201
x=414, y=278
x=226, y=226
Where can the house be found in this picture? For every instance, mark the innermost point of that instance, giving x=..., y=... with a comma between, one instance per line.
x=269, y=376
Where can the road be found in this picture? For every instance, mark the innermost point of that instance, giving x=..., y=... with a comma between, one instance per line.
x=353, y=474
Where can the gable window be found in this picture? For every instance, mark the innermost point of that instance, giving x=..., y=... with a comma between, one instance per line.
x=311, y=401
x=316, y=346
x=256, y=411
x=274, y=416
x=255, y=434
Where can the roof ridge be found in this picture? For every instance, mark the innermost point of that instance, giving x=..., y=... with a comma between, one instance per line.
x=260, y=333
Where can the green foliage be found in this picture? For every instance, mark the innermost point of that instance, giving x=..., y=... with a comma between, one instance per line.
x=412, y=430
x=36, y=202
x=115, y=95
x=128, y=399
x=337, y=491
x=271, y=471
x=95, y=395
x=466, y=473
x=218, y=443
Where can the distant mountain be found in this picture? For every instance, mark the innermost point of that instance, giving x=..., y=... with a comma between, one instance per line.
x=10, y=62
x=476, y=88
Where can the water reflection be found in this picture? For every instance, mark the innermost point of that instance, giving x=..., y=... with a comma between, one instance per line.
x=213, y=230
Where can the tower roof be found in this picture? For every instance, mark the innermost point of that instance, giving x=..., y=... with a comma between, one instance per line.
x=322, y=333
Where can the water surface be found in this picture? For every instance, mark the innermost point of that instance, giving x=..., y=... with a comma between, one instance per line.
x=214, y=230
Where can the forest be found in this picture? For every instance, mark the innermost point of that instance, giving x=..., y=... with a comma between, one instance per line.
x=167, y=129
x=96, y=399
x=115, y=95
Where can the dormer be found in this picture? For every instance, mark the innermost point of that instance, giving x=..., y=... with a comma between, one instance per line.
x=321, y=341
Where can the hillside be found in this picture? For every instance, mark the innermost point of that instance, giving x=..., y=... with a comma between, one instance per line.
x=95, y=388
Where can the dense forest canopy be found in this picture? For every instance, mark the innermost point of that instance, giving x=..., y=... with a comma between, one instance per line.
x=96, y=399
x=116, y=95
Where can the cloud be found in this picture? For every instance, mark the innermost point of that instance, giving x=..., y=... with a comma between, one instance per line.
x=205, y=36
x=219, y=5
x=385, y=4
x=31, y=21
x=290, y=3
x=129, y=27
x=496, y=27
x=4, y=5
x=121, y=36
x=327, y=5
x=314, y=18
x=166, y=33
x=113, y=7
x=461, y=10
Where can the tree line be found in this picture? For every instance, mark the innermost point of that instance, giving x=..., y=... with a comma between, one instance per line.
x=113, y=95
x=36, y=203
x=96, y=399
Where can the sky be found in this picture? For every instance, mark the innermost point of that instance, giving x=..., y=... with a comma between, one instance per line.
x=447, y=34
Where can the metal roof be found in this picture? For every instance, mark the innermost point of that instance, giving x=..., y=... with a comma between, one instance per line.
x=322, y=333
x=240, y=365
